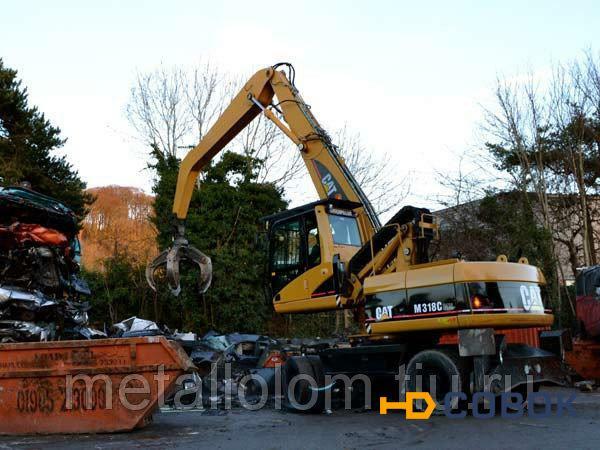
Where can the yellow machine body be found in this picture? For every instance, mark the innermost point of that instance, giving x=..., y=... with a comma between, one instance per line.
x=334, y=253
x=421, y=298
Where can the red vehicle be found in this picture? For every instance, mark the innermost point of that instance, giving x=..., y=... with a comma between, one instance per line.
x=588, y=301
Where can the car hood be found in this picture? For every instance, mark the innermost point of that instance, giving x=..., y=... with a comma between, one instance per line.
x=23, y=205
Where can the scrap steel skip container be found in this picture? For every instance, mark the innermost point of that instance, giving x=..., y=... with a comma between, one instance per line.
x=95, y=386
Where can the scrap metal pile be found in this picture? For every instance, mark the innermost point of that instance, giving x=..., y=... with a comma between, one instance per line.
x=227, y=364
x=42, y=296
x=222, y=360
x=235, y=363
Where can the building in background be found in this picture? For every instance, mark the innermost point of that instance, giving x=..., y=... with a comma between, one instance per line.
x=472, y=231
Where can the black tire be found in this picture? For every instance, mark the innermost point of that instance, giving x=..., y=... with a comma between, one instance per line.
x=446, y=367
x=319, y=373
x=294, y=366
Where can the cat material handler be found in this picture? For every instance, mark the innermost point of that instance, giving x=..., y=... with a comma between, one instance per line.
x=442, y=318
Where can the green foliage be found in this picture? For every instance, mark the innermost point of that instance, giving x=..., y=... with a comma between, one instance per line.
x=501, y=223
x=581, y=134
x=554, y=147
x=313, y=325
x=27, y=139
x=119, y=291
x=223, y=221
x=510, y=228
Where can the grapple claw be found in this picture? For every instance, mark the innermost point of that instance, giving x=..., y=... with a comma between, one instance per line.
x=159, y=261
x=170, y=258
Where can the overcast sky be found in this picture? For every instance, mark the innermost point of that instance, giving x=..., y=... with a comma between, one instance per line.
x=409, y=76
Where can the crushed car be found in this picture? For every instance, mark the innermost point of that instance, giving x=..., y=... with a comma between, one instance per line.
x=42, y=296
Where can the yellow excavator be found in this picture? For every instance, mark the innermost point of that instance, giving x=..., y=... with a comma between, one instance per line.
x=439, y=317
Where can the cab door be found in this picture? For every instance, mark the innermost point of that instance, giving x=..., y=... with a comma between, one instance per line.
x=296, y=268
x=304, y=273
x=287, y=254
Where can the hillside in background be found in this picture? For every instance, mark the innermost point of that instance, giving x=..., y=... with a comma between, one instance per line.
x=118, y=224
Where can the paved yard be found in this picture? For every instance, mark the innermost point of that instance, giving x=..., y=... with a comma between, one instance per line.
x=270, y=429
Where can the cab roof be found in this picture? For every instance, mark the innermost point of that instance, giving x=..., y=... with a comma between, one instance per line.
x=299, y=210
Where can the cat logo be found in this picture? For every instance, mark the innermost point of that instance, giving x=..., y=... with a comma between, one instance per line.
x=330, y=185
x=531, y=298
x=383, y=312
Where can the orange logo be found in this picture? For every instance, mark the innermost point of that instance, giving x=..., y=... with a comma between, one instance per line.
x=408, y=405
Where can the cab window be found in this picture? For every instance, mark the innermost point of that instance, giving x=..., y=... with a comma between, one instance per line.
x=286, y=260
x=286, y=246
x=344, y=230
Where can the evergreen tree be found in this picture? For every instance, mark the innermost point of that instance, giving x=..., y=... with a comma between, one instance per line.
x=27, y=140
x=508, y=225
x=223, y=221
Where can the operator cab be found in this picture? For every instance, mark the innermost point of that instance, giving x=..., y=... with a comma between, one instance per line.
x=304, y=245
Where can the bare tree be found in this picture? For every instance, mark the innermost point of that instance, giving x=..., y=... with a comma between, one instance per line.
x=569, y=110
x=281, y=161
x=205, y=92
x=173, y=108
x=157, y=109
x=466, y=184
x=380, y=180
x=519, y=124
x=462, y=188
x=525, y=125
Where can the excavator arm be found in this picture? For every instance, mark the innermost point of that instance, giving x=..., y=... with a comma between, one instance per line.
x=328, y=172
x=326, y=167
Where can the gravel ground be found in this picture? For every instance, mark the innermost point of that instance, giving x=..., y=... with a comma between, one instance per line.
x=271, y=429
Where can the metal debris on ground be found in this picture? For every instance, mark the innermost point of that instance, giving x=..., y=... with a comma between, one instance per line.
x=223, y=362
x=585, y=385
x=134, y=327
x=227, y=364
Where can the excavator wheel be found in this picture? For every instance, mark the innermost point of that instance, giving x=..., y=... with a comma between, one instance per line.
x=302, y=392
x=319, y=372
x=437, y=372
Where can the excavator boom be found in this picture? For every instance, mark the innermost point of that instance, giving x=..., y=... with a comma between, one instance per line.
x=330, y=176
